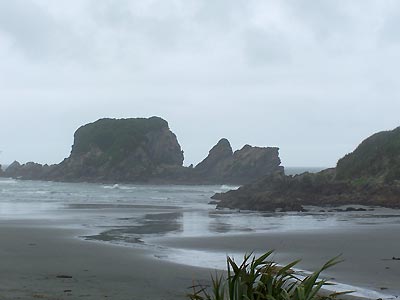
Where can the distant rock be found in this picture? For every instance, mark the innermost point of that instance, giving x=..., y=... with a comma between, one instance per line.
x=1, y=171
x=29, y=170
x=218, y=159
x=13, y=170
x=242, y=166
x=368, y=176
x=124, y=150
x=146, y=151
x=253, y=163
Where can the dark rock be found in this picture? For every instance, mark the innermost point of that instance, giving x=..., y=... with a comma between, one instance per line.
x=214, y=202
x=218, y=157
x=29, y=170
x=375, y=159
x=13, y=169
x=147, y=151
x=355, y=209
x=367, y=177
x=64, y=276
x=124, y=150
x=242, y=166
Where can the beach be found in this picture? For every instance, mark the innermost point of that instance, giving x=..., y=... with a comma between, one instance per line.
x=367, y=253
x=44, y=263
x=93, y=241
x=34, y=261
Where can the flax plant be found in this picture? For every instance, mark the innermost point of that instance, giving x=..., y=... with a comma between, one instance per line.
x=261, y=278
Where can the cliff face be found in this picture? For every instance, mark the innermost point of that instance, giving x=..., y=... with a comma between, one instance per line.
x=146, y=150
x=217, y=160
x=368, y=176
x=120, y=150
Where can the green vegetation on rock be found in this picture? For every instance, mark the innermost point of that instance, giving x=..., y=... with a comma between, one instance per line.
x=144, y=150
x=115, y=138
x=376, y=159
x=368, y=176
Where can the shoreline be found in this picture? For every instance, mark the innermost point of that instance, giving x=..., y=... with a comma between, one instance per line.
x=33, y=255
x=49, y=263
x=364, y=267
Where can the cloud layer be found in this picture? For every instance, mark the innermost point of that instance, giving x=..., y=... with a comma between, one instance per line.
x=312, y=77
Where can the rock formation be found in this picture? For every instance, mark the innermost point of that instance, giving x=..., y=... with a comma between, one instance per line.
x=368, y=176
x=243, y=166
x=377, y=158
x=126, y=150
x=146, y=150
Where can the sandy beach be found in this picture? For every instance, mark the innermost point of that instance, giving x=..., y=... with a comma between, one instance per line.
x=33, y=259
x=153, y=242
x=367, y=252
x=46, y=263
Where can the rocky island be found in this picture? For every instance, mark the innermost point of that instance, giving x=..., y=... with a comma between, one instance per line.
x=368, y=176
x=145, y=150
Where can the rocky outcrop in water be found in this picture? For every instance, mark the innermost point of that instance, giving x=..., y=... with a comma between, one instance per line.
x=29, y=170
x=147, y=151
x=241, y=166
x=368, y=176
x=126, y=150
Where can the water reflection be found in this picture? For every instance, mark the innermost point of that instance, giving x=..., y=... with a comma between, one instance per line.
x=150, y=224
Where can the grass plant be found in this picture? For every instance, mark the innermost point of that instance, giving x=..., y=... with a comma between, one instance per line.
x=259, y=278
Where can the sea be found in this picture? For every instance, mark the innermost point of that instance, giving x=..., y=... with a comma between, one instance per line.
x=137, y=216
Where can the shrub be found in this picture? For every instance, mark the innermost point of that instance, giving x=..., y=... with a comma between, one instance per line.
x=260, y=278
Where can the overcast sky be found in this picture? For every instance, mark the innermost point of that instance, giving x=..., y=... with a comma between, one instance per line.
x=311, y=77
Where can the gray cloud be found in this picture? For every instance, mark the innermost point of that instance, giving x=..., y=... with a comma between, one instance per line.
x=313, y=77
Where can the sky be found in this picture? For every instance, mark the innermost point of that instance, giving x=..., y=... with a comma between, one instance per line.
x=313, y=78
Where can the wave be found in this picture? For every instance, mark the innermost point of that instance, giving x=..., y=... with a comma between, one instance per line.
x=119, y=187
x=229, y=187
x=8, y=181
x=160, y=198
x=225, y=188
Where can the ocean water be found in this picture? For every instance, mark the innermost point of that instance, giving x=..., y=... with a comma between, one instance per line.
x=139, y=215
x=299, y=170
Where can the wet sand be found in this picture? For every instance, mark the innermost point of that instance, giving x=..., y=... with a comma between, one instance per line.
x=367, y=251
x=36, y=263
